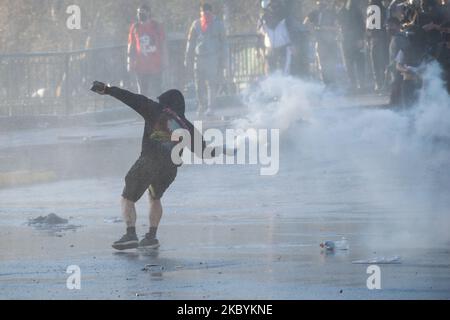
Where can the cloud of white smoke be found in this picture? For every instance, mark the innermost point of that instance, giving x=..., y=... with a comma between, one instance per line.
x=401, y=156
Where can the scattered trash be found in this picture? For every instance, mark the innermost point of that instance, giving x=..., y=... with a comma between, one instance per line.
x=380, y=260
x=51, y=219
x=335, y=245
x=153, y=267
x=79, y=138
x=52, y=223
x=113, y=220
x=40, y=93
x=328, y=245
x=342, y=245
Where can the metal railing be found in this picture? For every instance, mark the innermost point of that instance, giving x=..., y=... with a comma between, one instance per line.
x=57, y=83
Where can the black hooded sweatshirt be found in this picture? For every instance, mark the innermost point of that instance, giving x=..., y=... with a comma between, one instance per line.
x=160, y=119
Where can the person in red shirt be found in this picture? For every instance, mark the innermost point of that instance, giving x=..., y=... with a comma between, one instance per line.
x=147, y=52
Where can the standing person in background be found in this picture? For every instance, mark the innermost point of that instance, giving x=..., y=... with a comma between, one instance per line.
x=443, y=56
x=430, y=17
x=322, y=22
x=299, y=35
x=446, y=9
x=147, y=52
x=206, y=53
x=377, y=42
x=351, y=25
x=409, y=61
x=276, y=36
x=398, y=42
x=394, y=9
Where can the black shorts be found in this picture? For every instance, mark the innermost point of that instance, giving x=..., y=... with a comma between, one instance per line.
x=149, y=172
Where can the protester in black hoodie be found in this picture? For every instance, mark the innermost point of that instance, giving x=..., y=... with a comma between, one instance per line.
x=155, y=169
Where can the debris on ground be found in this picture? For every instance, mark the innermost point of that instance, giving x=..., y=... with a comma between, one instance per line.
x=153, y=267
x=51, y=219
x=335, y=245
x=380, y=260
x=113, y=220
x=52, y=223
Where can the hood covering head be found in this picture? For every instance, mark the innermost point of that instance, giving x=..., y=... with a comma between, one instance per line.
x=173, y=99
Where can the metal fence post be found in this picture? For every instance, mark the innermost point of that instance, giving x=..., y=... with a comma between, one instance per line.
x=67, y=98
x=64, y=79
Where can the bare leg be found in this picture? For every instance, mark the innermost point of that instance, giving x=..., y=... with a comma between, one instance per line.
x=129, y=240
x=156, y=212
x=129, y=212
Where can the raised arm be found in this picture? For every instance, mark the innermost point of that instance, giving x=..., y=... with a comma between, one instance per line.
x=146, y=107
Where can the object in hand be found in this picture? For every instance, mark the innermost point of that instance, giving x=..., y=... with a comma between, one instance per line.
x=99, y=87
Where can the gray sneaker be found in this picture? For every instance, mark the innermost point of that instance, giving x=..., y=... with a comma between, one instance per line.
x=128, y=241
x=149, y=243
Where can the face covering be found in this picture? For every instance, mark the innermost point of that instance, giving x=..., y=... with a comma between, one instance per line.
x=206, y=20
x=142, y=16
